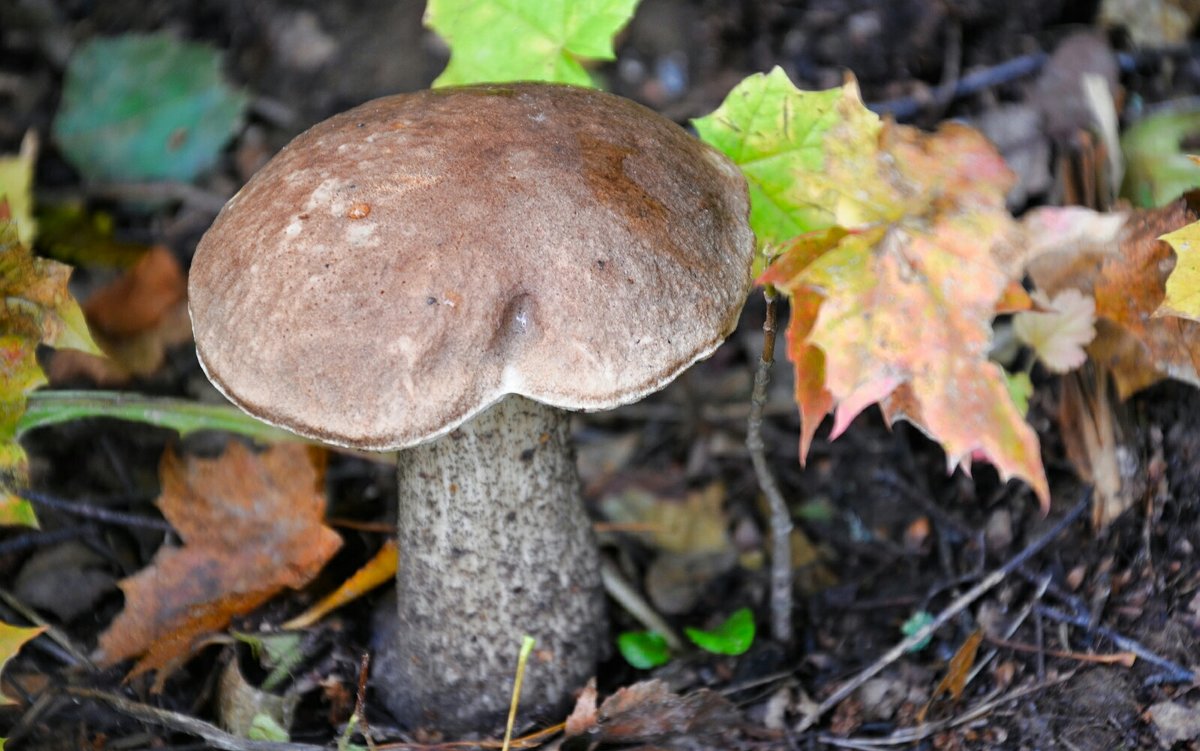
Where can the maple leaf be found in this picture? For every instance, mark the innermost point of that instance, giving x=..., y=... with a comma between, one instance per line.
x=1119, y=260
x=37, y=309
x=1183, y=285
x=774, y=132
x=909, y=252
x=251, y=525
x=1059, y=332
x=509, y=40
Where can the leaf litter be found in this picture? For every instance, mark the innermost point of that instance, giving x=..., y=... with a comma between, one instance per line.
x=251, y=526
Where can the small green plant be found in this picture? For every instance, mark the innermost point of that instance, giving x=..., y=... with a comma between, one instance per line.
x=648, y=649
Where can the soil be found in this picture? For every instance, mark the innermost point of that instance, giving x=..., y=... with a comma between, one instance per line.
x=890, y=532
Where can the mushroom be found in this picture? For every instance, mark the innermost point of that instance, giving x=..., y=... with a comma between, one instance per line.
x=446, y=272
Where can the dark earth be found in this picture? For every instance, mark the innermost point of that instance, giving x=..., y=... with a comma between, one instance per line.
x=890, y=532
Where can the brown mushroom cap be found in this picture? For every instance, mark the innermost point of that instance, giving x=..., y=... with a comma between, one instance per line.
x=400, y=267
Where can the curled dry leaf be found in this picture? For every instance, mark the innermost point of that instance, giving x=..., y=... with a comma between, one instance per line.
x=251, y=525
x=648, y=712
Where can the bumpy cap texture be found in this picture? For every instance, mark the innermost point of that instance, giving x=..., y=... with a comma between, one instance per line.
x=400, y=267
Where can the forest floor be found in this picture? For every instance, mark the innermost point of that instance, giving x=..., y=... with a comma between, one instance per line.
x=883, y=533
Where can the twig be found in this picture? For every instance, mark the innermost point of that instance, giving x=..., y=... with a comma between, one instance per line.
x=185, y=724
x=71, y=654
x=1125, y=659
x=781, y=519
x=41, y=539
x=925, y=730
x=1176, y=673
x=96, y=513
x=621, y=591
x=952, y=610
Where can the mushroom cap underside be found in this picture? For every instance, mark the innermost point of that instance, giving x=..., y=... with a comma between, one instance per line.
x=400, y=267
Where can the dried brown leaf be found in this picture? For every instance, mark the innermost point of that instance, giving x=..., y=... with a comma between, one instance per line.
x=251, y=525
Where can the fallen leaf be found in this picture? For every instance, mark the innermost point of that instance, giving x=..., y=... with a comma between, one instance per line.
x=145, y=107
x=1151, y=23
x=1124, y=266
x=12, y=638
x=1183, y=285
x=240, y=706
x=957, y=672
x=648, y=712
x=924, y=237
x=136, y=319
x=1174, y=721
x=549, y=40
x=1158, y=169
x=583, y=717
x=251, y=525
x=1060, y=330
x=375, y=572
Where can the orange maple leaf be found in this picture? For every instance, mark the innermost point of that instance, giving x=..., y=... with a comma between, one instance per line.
x=251, y=525
x=897, y=307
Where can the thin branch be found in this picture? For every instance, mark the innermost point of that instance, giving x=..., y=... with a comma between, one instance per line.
x=781, y=518
x=211, y=734
x=96, y=513
x=1176, y=673
x=956, y=607
x=621, y=591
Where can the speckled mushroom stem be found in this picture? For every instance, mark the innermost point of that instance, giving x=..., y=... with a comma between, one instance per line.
x=494, y=544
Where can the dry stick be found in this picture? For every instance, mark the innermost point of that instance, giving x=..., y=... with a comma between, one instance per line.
x=921, y=732
x=96, y=513
x=623, y=592
x=954, y=609
x=1175, y=673
x=781, y=519
x=212, y=734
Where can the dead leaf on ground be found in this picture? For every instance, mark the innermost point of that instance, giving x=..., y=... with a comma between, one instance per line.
x=135, y=319
x=251, y=525
x=648, y=712
x=1119, y=259
x=957, y=672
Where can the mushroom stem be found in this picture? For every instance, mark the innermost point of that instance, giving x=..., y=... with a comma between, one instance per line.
x=494, y=544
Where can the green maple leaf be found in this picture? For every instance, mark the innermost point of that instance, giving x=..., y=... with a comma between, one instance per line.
x=512, y=40
x=774, y=133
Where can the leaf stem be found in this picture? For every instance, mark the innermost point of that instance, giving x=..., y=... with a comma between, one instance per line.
x=52, y=407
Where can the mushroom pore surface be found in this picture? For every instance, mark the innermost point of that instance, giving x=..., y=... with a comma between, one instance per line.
x=400, y=267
